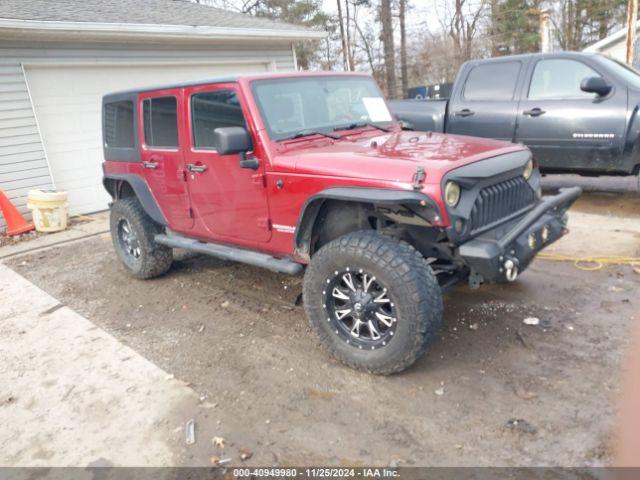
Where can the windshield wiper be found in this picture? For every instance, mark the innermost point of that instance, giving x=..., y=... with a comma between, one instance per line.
x=309, y=133
x=353, y=126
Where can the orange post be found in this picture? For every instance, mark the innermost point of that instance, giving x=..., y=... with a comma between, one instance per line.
x=16, y=223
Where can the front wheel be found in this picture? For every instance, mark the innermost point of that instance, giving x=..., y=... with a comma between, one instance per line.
x=132, y=233
x=373, y=301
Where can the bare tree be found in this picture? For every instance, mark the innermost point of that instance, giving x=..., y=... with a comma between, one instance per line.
x=386, y=20
x=462, y=24
x=343, y=38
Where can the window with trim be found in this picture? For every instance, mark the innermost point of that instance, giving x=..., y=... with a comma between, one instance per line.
x=211, y=110
x=560, y=78
x=160, y=122
x=493, y=81
x=118, y=124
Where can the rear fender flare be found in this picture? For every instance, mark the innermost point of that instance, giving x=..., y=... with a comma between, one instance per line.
x=417, y=202
x=142, y=191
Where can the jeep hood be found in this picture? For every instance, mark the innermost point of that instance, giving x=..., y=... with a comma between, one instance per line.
x=390, y=156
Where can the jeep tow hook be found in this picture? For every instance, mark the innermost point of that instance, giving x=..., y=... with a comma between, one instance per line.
x=511, y=269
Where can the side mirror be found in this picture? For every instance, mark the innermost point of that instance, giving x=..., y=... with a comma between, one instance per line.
x=597, y=85
x=229, y=140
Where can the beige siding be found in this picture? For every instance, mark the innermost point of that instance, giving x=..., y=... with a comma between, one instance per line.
x=23, y=163
x=22, y=160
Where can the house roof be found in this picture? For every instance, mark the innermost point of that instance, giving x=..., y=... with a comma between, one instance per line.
x=150, y=17
x=619, y=36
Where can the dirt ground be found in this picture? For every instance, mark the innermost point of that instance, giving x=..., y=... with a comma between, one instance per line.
x=235, y=334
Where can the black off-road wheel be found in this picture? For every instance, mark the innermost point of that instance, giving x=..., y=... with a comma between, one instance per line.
x=373, y=301
x=132, y=233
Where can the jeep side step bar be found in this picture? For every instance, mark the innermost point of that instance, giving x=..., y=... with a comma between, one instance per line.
x=226, y=252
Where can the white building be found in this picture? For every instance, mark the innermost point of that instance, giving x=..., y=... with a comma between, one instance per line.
x=615, y=45
x=57, y=60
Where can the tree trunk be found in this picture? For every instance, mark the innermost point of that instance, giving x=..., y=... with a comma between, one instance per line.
x=343, y=38
x=404, y=69
x=348, y=36
x=389, y=49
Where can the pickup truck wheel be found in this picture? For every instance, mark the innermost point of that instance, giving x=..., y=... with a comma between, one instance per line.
x=373, y=301
x=132, y=233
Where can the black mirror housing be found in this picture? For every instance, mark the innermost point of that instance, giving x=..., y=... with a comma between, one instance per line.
x=230, y=140
x=597, y=85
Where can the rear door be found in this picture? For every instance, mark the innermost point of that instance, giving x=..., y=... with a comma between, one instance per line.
x=484, y=103
x=566, y=128
x=229, y=202
x=163, y=156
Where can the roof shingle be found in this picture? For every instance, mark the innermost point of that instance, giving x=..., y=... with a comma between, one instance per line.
x=152, y=12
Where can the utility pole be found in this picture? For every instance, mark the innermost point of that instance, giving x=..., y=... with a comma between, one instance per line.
x=632, y=19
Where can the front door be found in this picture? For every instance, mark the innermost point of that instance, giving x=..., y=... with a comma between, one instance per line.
x=162, y=156
x=485, y=105
x=229, y=202
x=566, y=128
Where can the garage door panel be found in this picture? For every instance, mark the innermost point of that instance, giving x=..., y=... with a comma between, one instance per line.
x=68, y=101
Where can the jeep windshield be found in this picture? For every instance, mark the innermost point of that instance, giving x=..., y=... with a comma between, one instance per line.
x=305, y=106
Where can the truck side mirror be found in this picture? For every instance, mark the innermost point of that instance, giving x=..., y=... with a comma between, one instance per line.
x=597, y=85
x=229, y=140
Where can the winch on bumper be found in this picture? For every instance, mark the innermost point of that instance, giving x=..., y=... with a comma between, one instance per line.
x=504, y=252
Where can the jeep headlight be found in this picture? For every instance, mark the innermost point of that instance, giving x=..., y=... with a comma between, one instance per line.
x=528, y=169
x=452, y=193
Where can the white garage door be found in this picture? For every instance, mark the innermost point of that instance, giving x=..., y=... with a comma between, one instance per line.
x=67, y=102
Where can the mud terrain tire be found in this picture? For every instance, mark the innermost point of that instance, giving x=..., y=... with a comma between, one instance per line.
x=132, y=234
x=401, y=277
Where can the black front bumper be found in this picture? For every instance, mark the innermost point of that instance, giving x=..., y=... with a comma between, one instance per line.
x=503, y=252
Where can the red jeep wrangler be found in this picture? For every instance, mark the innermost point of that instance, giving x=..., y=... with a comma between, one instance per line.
x=299, y=170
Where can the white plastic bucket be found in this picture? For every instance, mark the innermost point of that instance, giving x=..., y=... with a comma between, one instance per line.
x=49, y=210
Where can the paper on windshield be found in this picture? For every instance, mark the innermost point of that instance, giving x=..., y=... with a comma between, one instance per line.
x=376, y=109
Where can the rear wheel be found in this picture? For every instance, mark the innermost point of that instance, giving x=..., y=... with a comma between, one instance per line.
x=373, y=301
x=132, y=234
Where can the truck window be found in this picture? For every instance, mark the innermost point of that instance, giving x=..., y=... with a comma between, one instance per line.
x=160, y=122
x=211, y=110
x=492, y=81
x=118, y=124
x=559, y=78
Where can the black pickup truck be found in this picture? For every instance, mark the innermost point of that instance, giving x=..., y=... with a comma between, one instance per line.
x=577, y=112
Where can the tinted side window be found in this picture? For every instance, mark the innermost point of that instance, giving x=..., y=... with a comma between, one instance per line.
x=160, y=122
x=560, y=78
x=492, y=81
x=211, y=110
x=118, y=124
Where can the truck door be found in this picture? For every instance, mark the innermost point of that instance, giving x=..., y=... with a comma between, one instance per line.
x=567, y=128
x=229, y=202
x=162, y=156
x=484, y=103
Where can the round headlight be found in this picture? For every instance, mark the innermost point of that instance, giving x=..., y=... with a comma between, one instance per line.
x=528, y=170
x=452, y=193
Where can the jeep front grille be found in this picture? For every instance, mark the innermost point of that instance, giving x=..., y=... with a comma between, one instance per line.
x=498, y=202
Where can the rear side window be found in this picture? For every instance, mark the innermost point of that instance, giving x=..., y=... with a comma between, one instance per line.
x=492, y=81
x=118, y=124
x=160, y=122
x=211, y=110
x=560, y=78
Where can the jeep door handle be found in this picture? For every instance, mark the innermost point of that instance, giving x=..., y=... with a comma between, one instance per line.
x=534, y=112
x=152, y=165
x=196, y=168
x=464, y=113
